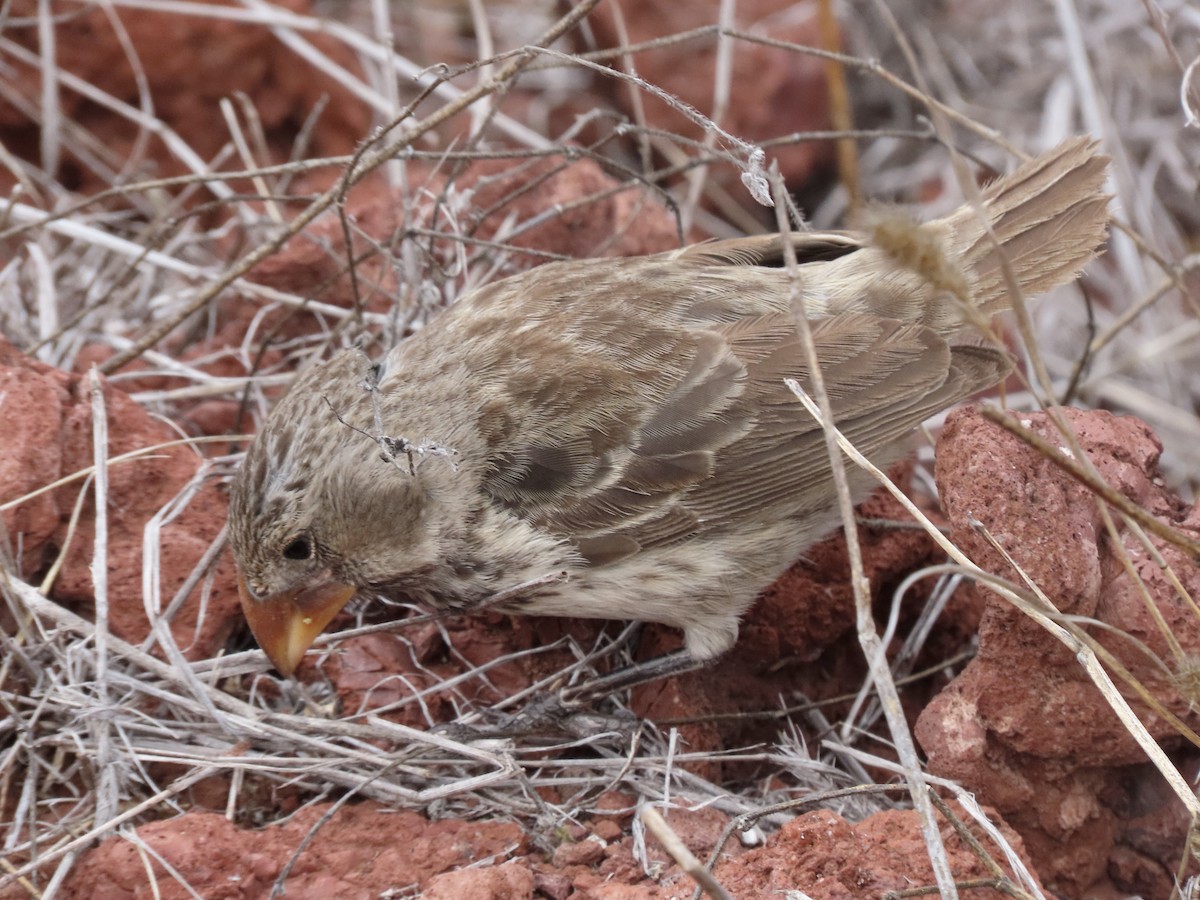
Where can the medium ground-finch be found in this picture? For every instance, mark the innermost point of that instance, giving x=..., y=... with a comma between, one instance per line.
x=626, y=421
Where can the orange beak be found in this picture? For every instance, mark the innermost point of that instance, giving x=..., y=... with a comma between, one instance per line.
x=286, y=624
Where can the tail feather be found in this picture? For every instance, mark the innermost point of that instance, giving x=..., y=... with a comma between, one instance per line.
x=1049, y=217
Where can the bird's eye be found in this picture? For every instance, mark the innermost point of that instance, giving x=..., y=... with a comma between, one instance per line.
x=299, y=548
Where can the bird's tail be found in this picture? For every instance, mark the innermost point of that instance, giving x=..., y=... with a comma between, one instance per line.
x=1049, y=217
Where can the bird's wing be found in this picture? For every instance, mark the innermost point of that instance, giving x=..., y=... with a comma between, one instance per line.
x=883, y=377
x=672, y=430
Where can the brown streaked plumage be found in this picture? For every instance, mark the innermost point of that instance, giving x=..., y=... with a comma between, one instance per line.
x=626, y=421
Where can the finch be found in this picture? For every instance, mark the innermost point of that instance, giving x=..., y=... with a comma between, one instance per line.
x=626, y=421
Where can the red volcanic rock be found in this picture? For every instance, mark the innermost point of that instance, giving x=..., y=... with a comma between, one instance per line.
x=511, y=881
x=364, y=849
x=53, y=411
x=828, y=858
x=552, y=206
x=775, y=91
x=361, y=851
x=33, y=398
x=591, y=218
x=579, y=853
x=1023, y=727
x=189, y=64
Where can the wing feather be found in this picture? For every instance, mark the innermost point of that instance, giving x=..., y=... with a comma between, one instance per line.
x=717, y=434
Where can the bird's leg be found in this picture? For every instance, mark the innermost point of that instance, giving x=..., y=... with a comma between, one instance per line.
x=666, y=666
x=564, y=713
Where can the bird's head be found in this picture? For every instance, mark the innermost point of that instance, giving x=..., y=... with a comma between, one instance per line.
x=317, y=514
